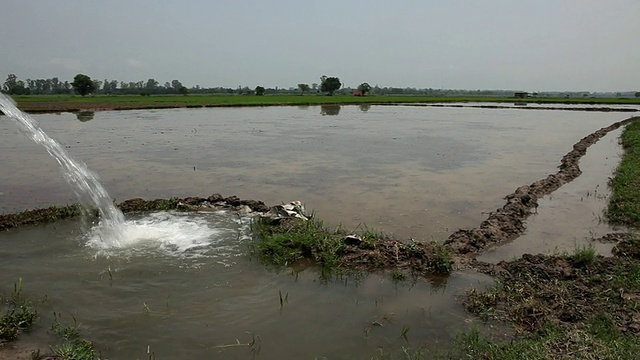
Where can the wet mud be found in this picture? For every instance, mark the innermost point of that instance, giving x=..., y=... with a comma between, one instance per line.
x=522, y=106
x=564, y=289
x=507, y=223
x=55, y=213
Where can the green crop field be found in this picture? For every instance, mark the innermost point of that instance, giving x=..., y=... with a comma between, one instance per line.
x=252, y=100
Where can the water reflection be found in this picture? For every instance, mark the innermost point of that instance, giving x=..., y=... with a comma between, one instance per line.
x=303, y=106
x=364, y=107
x=331, y=109
x=85, y=116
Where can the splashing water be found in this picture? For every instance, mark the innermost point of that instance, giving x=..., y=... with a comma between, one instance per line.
x=215, y=235
x=83, y=182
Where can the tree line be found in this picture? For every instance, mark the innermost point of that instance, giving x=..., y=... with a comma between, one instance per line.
x=329, y=85
x=83, y=84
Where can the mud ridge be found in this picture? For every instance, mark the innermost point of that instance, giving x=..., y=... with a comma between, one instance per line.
x=507, y=223
x=523, y=106
x=564, y=289
x=213, y=202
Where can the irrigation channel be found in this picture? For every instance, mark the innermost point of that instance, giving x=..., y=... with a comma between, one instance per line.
x=184, y=286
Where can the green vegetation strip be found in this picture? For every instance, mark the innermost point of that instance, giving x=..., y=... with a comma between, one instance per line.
x=290, y=240
x=624, y=203
x=69, y=102
x=39, y=216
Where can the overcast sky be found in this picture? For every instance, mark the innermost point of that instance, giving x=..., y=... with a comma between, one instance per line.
x=532, y=45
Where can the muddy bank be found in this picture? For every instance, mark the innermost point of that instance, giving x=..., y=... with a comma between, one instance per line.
x=565, y=289
x=78, y=106
x=507, y=223
x=213, y=202
x=522, y=106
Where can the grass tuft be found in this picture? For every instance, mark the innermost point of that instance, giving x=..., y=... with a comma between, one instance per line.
x=73, y=346
x=17, y=314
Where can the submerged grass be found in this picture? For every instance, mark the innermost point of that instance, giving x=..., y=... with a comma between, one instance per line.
x=17, y=314
x=624, y=203
x=73, y=345
x=39, y=216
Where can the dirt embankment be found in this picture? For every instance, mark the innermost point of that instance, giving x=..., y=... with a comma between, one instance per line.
x=522, y=106
x=55, y=213
x=75, y=106
x=507, y=223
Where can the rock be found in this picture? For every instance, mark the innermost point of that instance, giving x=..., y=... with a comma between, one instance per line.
x=294, y=209
x=192, y=200
x=257, y=206
x=244, y=209
x=233, y=200
x=215, y=198
x=352, y=240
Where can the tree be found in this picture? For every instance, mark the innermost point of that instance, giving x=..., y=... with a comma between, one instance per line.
x=151, y=84
x=638, y=94
x=364, y=88
x=176, y=85
x=183, y=90
x=83, y=84
x=259, y=90
x=13, y=86
x=97, y=85
x=303, y=88
x=329, y=85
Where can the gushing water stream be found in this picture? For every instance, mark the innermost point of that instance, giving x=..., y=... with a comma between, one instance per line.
x=83, y=182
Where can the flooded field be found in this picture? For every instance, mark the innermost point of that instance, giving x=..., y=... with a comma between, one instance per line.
x=415, y=172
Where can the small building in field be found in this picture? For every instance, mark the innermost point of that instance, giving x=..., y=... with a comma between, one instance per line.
x=357, y=93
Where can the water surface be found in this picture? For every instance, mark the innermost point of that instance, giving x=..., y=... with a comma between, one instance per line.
x=191, y=286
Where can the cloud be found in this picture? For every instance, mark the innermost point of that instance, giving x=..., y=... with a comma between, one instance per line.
x=67, y=63
x=135, y=63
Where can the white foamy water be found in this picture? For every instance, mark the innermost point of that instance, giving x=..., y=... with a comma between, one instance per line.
x=177, y=234
x=83, y=182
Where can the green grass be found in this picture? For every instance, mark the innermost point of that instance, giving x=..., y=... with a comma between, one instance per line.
x=598, y=340
x=569, y=306
x=249, y=100
x=16, y=314
x=624, y=203
x=290, y=241
x=73, y=345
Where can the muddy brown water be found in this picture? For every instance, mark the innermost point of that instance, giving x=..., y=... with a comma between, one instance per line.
x=412, y=171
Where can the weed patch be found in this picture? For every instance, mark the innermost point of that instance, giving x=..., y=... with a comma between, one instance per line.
x=291, y=240
x=17, y=314
x=580, y=305
x=39, y=216
x=624, y=203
